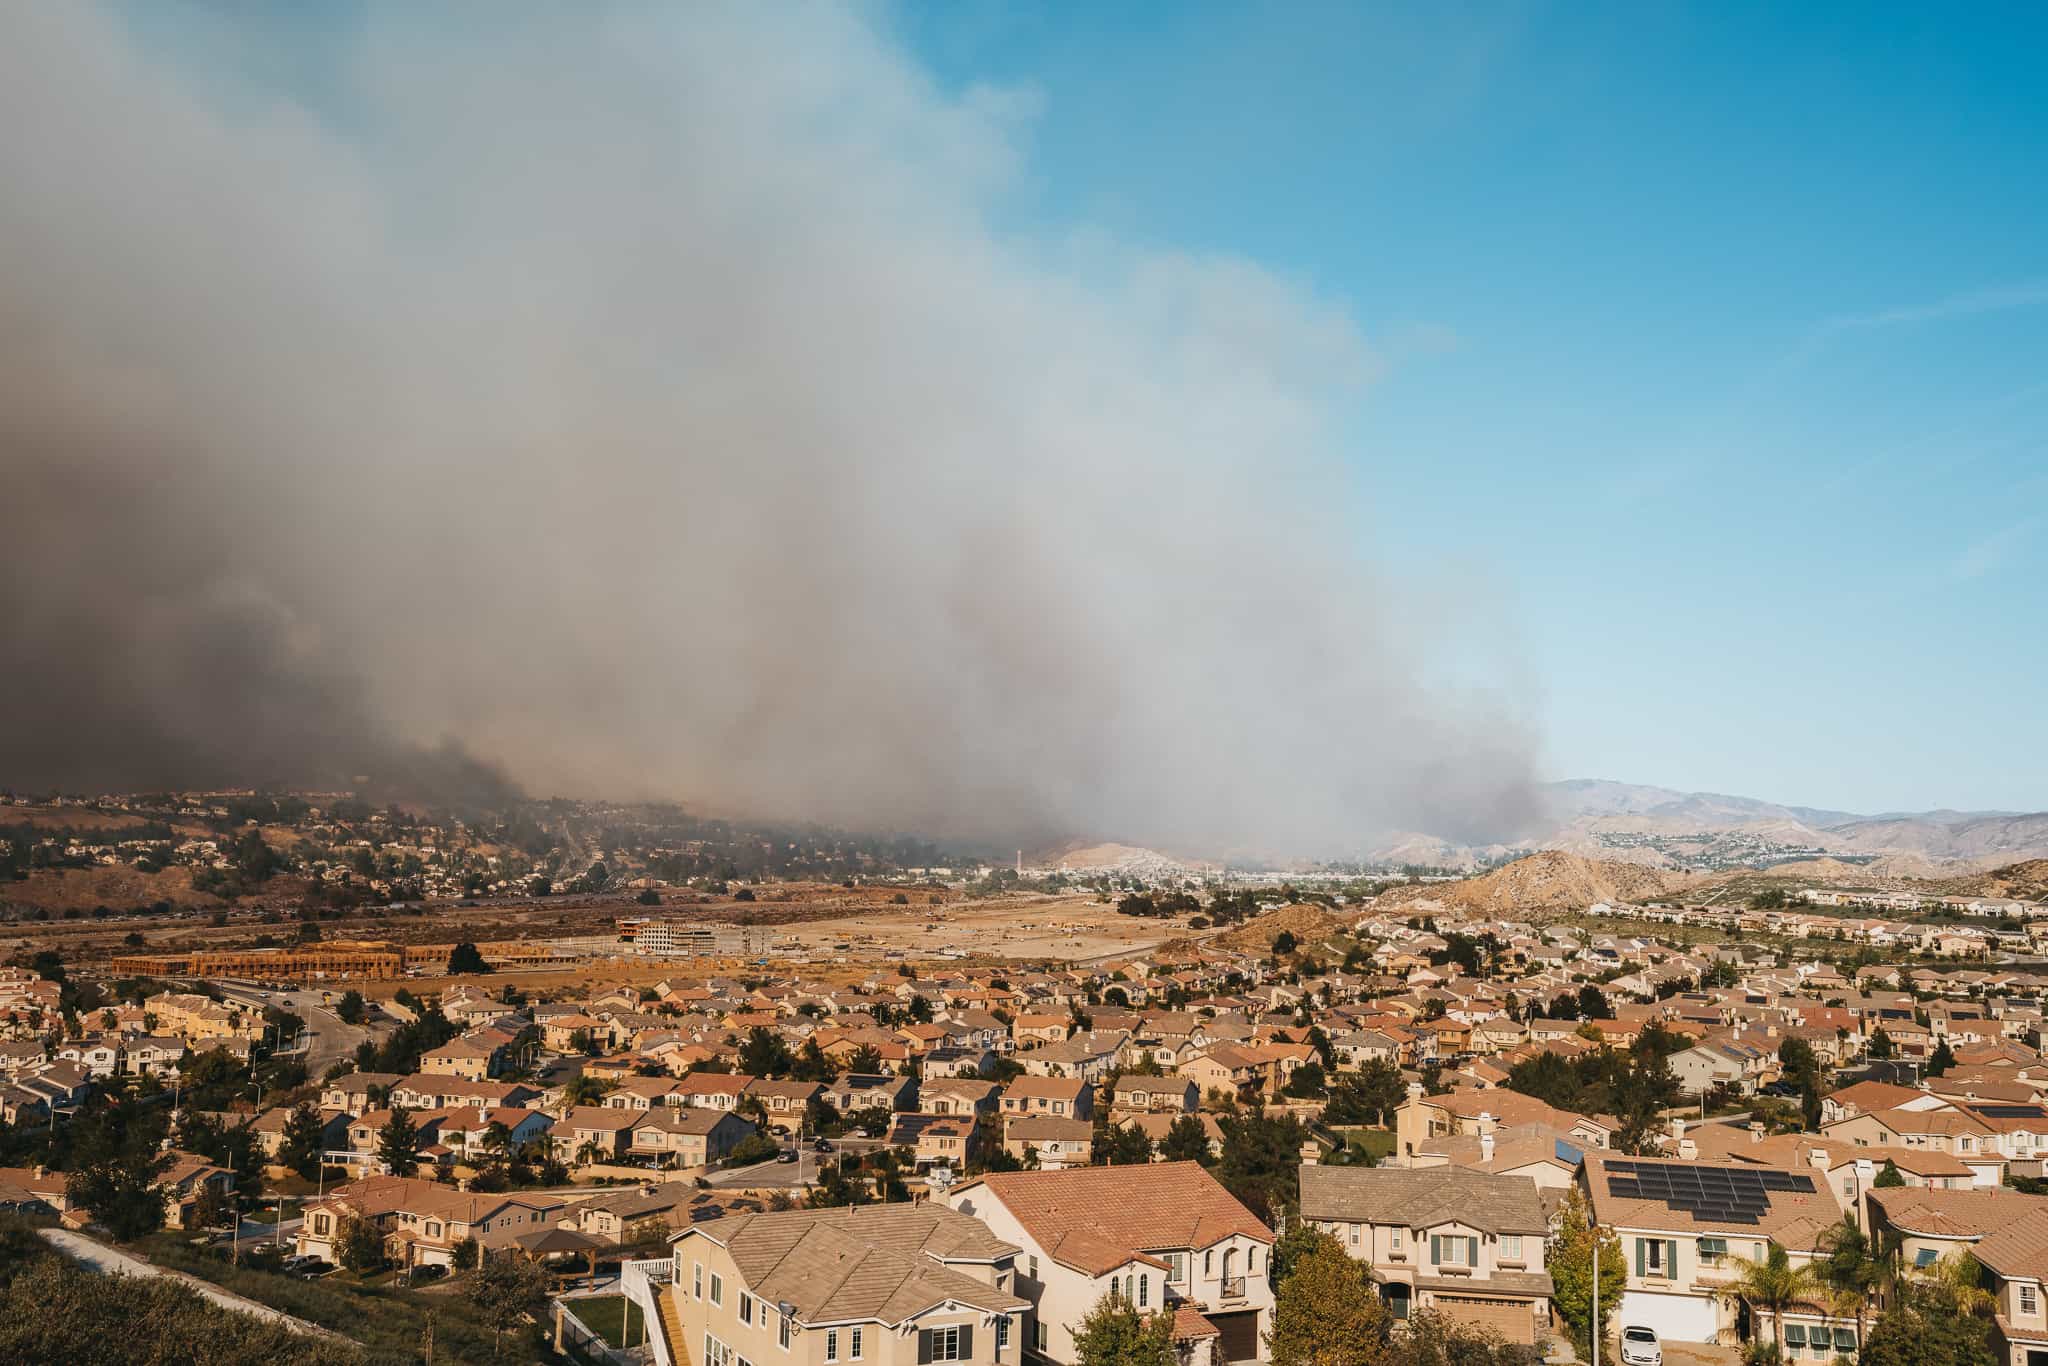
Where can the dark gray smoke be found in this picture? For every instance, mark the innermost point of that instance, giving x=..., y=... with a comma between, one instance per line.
x=650, y=403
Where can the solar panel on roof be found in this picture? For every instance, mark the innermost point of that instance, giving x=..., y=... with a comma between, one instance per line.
x=1715, y=1195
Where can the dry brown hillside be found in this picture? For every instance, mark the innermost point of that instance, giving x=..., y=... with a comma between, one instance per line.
x=1308, y=923
x=1550, y=881
x=2027, y=881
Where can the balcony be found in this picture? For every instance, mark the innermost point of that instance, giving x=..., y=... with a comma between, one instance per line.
x=1233, y=1288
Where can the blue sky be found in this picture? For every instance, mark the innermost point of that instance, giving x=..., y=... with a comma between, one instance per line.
x=1715, y=339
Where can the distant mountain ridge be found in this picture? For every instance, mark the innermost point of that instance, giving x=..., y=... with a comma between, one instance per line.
x=1649, y=825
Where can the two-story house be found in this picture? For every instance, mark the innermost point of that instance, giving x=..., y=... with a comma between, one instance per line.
x=1685, y=1227
x=1446, y=1238
x=888, y=1285
x=1161, y=1234
x=2002, y=1229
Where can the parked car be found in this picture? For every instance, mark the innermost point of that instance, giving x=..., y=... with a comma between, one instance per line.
x=786, y=1155
x=1639, y=1347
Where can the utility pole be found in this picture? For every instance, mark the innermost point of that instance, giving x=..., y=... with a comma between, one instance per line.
x=1595, y=1223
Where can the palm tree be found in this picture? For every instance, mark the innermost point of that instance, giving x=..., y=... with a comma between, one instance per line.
x=1849, y=1269
x=1957, y=1284
x=1773, y=1285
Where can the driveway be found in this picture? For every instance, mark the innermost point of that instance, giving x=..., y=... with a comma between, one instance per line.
x=114, y=1262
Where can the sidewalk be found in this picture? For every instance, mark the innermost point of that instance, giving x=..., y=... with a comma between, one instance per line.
x=114, y=1262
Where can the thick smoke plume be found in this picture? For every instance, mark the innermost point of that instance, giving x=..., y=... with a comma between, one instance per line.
x=654, y=405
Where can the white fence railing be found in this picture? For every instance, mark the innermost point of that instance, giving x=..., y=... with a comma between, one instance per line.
x=643, y=1282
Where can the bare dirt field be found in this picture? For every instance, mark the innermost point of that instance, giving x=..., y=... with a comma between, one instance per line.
x=1062, y=928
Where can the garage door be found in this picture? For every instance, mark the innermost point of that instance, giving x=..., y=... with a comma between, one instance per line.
x=1514, y=1320
x=1240, y=1335
x=1674, y=1318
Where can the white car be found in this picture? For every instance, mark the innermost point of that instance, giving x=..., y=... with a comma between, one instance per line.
x=1639, y=1347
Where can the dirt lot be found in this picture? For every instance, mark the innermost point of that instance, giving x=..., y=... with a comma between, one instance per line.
x=1064, y=928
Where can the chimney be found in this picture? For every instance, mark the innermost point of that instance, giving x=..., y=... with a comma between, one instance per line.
x=1818, y=1157
x=1486, y=1147
x=1415, y=1090
x=1688, y=1151
x=1756, y=1131
x=1311, y=1153
x=1677, y=1127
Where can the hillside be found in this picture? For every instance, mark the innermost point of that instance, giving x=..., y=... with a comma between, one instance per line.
x=1549, y=881
x=1307, y=922
x=2027, y=881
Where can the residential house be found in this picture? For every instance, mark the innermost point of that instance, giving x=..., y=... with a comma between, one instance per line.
x=1161, y=1235
x=887, y=1285
x=1464, y=1243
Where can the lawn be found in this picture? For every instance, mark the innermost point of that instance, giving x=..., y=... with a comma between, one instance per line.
x=1375, y=1143
x=614, y=1318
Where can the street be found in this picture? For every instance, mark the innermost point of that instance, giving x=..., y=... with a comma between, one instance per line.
x=327, y=1039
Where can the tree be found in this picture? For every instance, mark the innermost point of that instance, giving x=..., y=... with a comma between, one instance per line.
x=755, y=1147
x=1911, y=1334
x=584, y=1089
x=1186, y=1141
x=398, y=1142
x=1366, y=1096
x=1943, y=1059
x=1955, y=1286
x=1284, y=943
x=764, y=1054
x=1326, y=1312
x=1890, y=1178
x=1435, y=1339
x=1881, y=1047
x=466, y=1253
x=359, y=1247
x=1570, y=1258
x=304, y=1140
x=1114, y=1333
x=1261, y=1161
x=506, y=1290
x=351, y=1008
x=1772, y=1286
x=1848, y=1269
x=466, y=960
x=1593, y=1004
x=120, y=1193
x=1119, y=1145
x=1306, y=1083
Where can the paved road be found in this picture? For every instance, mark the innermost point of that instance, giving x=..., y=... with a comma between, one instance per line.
x=114, y=1262
x=328, y=1039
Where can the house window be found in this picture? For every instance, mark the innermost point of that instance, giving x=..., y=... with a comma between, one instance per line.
x=946, y=1344
x=716, y=1353
x=2030, y=1301
x=1143, y=1283
x=1176, y=1268
x=697, y=1280
x=1039, y=1337
x=1450, y=1250
x=1002, y=1332
x=782, y=1331
x=860, y=1342
x=717, y=1288
x=321, y=1225
x=746, y=1307
x=1511, y=1246
x=1034, y=1268
x=831, y=1344
x=1209, y=1262
x=1399, y=1250
x=1713, y=1251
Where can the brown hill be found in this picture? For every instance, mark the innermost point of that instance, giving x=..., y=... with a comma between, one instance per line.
x=2028, y=881
x=1309, y=924
x=1550, y=881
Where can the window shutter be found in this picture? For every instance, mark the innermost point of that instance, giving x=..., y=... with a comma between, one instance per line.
x=924, y=1347
x=1671, y=1259
x=1436, y=1248
x=966, y=1342
x=1642, y=1264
